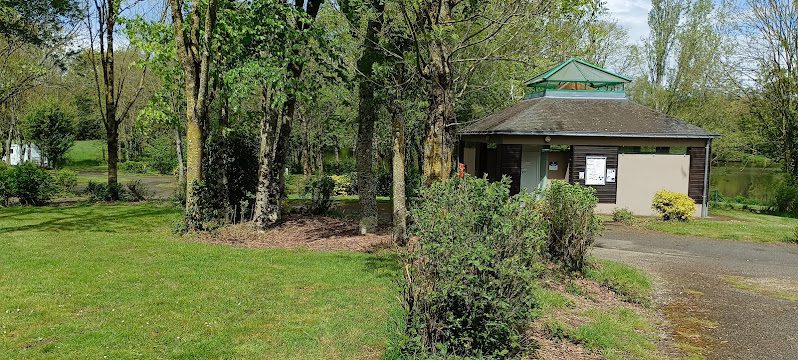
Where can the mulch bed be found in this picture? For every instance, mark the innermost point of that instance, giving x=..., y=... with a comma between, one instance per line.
x=322, y=233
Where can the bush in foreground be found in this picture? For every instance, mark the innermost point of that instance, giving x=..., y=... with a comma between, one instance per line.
x=29, y=183
x=672, y=205
x=573, y=225
x=470, y=280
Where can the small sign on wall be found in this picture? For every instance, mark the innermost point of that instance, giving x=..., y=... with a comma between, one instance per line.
x=595, y=170
x=553, y=166
x=610, y=175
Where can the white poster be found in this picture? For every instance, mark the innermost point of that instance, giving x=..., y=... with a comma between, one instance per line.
x=610, y=175
x=596, y=170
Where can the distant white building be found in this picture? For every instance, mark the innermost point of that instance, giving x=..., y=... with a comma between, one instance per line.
x=24, y=152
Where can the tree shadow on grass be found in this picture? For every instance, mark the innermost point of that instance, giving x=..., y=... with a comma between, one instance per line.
x=386, y=265
x=92, y=218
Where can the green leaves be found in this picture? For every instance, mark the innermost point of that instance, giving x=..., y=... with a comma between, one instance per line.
x=473, y=272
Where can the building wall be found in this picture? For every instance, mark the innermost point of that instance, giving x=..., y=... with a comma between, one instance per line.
x=642, y=175
x=606, y=193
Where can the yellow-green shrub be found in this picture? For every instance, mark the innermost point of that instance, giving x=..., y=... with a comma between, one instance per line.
x=673, y=205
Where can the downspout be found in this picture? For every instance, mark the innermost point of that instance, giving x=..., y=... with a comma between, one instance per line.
x=705, y=205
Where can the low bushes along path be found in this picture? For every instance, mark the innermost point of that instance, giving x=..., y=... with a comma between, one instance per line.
x=723, y=299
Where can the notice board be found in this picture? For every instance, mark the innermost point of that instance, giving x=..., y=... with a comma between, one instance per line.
x=595, y=170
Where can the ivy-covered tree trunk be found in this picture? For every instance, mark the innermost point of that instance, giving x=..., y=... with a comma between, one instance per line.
x=367, y=117
x=438, y=142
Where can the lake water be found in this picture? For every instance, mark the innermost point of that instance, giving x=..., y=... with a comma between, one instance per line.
x=754, y=183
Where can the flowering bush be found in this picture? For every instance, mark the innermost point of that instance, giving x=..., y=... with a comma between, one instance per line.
x=673, y=205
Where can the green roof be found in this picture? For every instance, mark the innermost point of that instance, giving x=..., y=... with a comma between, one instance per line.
x=578, y=71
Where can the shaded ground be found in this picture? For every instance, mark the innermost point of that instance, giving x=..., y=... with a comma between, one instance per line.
x=724, y=299
x=301, y=231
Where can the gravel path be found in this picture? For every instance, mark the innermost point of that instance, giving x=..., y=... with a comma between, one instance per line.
x=723, y=299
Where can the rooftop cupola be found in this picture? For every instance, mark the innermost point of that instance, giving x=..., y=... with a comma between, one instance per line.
x=576, y=78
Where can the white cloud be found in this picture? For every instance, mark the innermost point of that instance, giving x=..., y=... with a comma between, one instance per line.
x=632, y=15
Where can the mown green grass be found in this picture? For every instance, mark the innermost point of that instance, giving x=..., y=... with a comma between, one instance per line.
x=731, y=225
x=87, y=155
x=617, y=334
x=113, y=281
x=632, y=284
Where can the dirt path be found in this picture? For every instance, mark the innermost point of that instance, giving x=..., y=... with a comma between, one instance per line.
x=724, y=299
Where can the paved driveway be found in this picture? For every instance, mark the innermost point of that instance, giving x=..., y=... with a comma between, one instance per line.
x=728, y=299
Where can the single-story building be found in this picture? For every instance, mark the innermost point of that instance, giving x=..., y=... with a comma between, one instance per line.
x=577, y=125
x=19, y=153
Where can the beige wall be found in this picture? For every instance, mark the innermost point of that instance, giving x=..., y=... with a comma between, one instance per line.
x=640, y=176
x=470, y=159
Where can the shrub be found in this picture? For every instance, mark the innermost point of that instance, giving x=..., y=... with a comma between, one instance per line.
x=785, y=199
x=136, y=167
x=343, y=185
x=469, y=283
x=320, y=190
x=103, y=192
x=51, y=129
x=573, y=225
x=138, y=190
x=66, y=180
x=161, y=156
x=6, y=189
x=384, y=184
x=622, y=215
x=673, y=205
x=31, y=184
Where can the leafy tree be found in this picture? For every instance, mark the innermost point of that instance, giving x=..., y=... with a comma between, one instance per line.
x=772, y=26
x=51, y=129
x=109, y=79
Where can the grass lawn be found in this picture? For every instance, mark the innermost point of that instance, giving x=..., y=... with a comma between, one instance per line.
x=87, y=155
x=616, y=330
x=94, y=281
x=732, y=225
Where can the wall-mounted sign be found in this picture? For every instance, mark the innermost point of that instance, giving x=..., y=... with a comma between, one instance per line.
x=610, y=175
x=581, y=175
x=595, y=170
x=553, y=166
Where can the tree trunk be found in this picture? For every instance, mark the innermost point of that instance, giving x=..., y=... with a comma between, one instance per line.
x=367, y=116
x=366, y=187
x=8, y=143
x=305, y=146
x=438, y=143
x=274, y=132
x=111, y=123
x=181, y=170
x=112, y=141
x=398, y=161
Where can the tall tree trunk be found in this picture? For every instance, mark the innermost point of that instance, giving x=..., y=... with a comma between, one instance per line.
x=305, y=146
x=111, y=123
x=398, y=162
x=112, y=141
x=438, y=142
x=367, y=116
x=274, y=132
x=275, y=137
x=8, y=142
x=181, y=170
x=194, y=54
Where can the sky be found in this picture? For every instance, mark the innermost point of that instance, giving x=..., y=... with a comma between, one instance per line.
x=632, y=15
